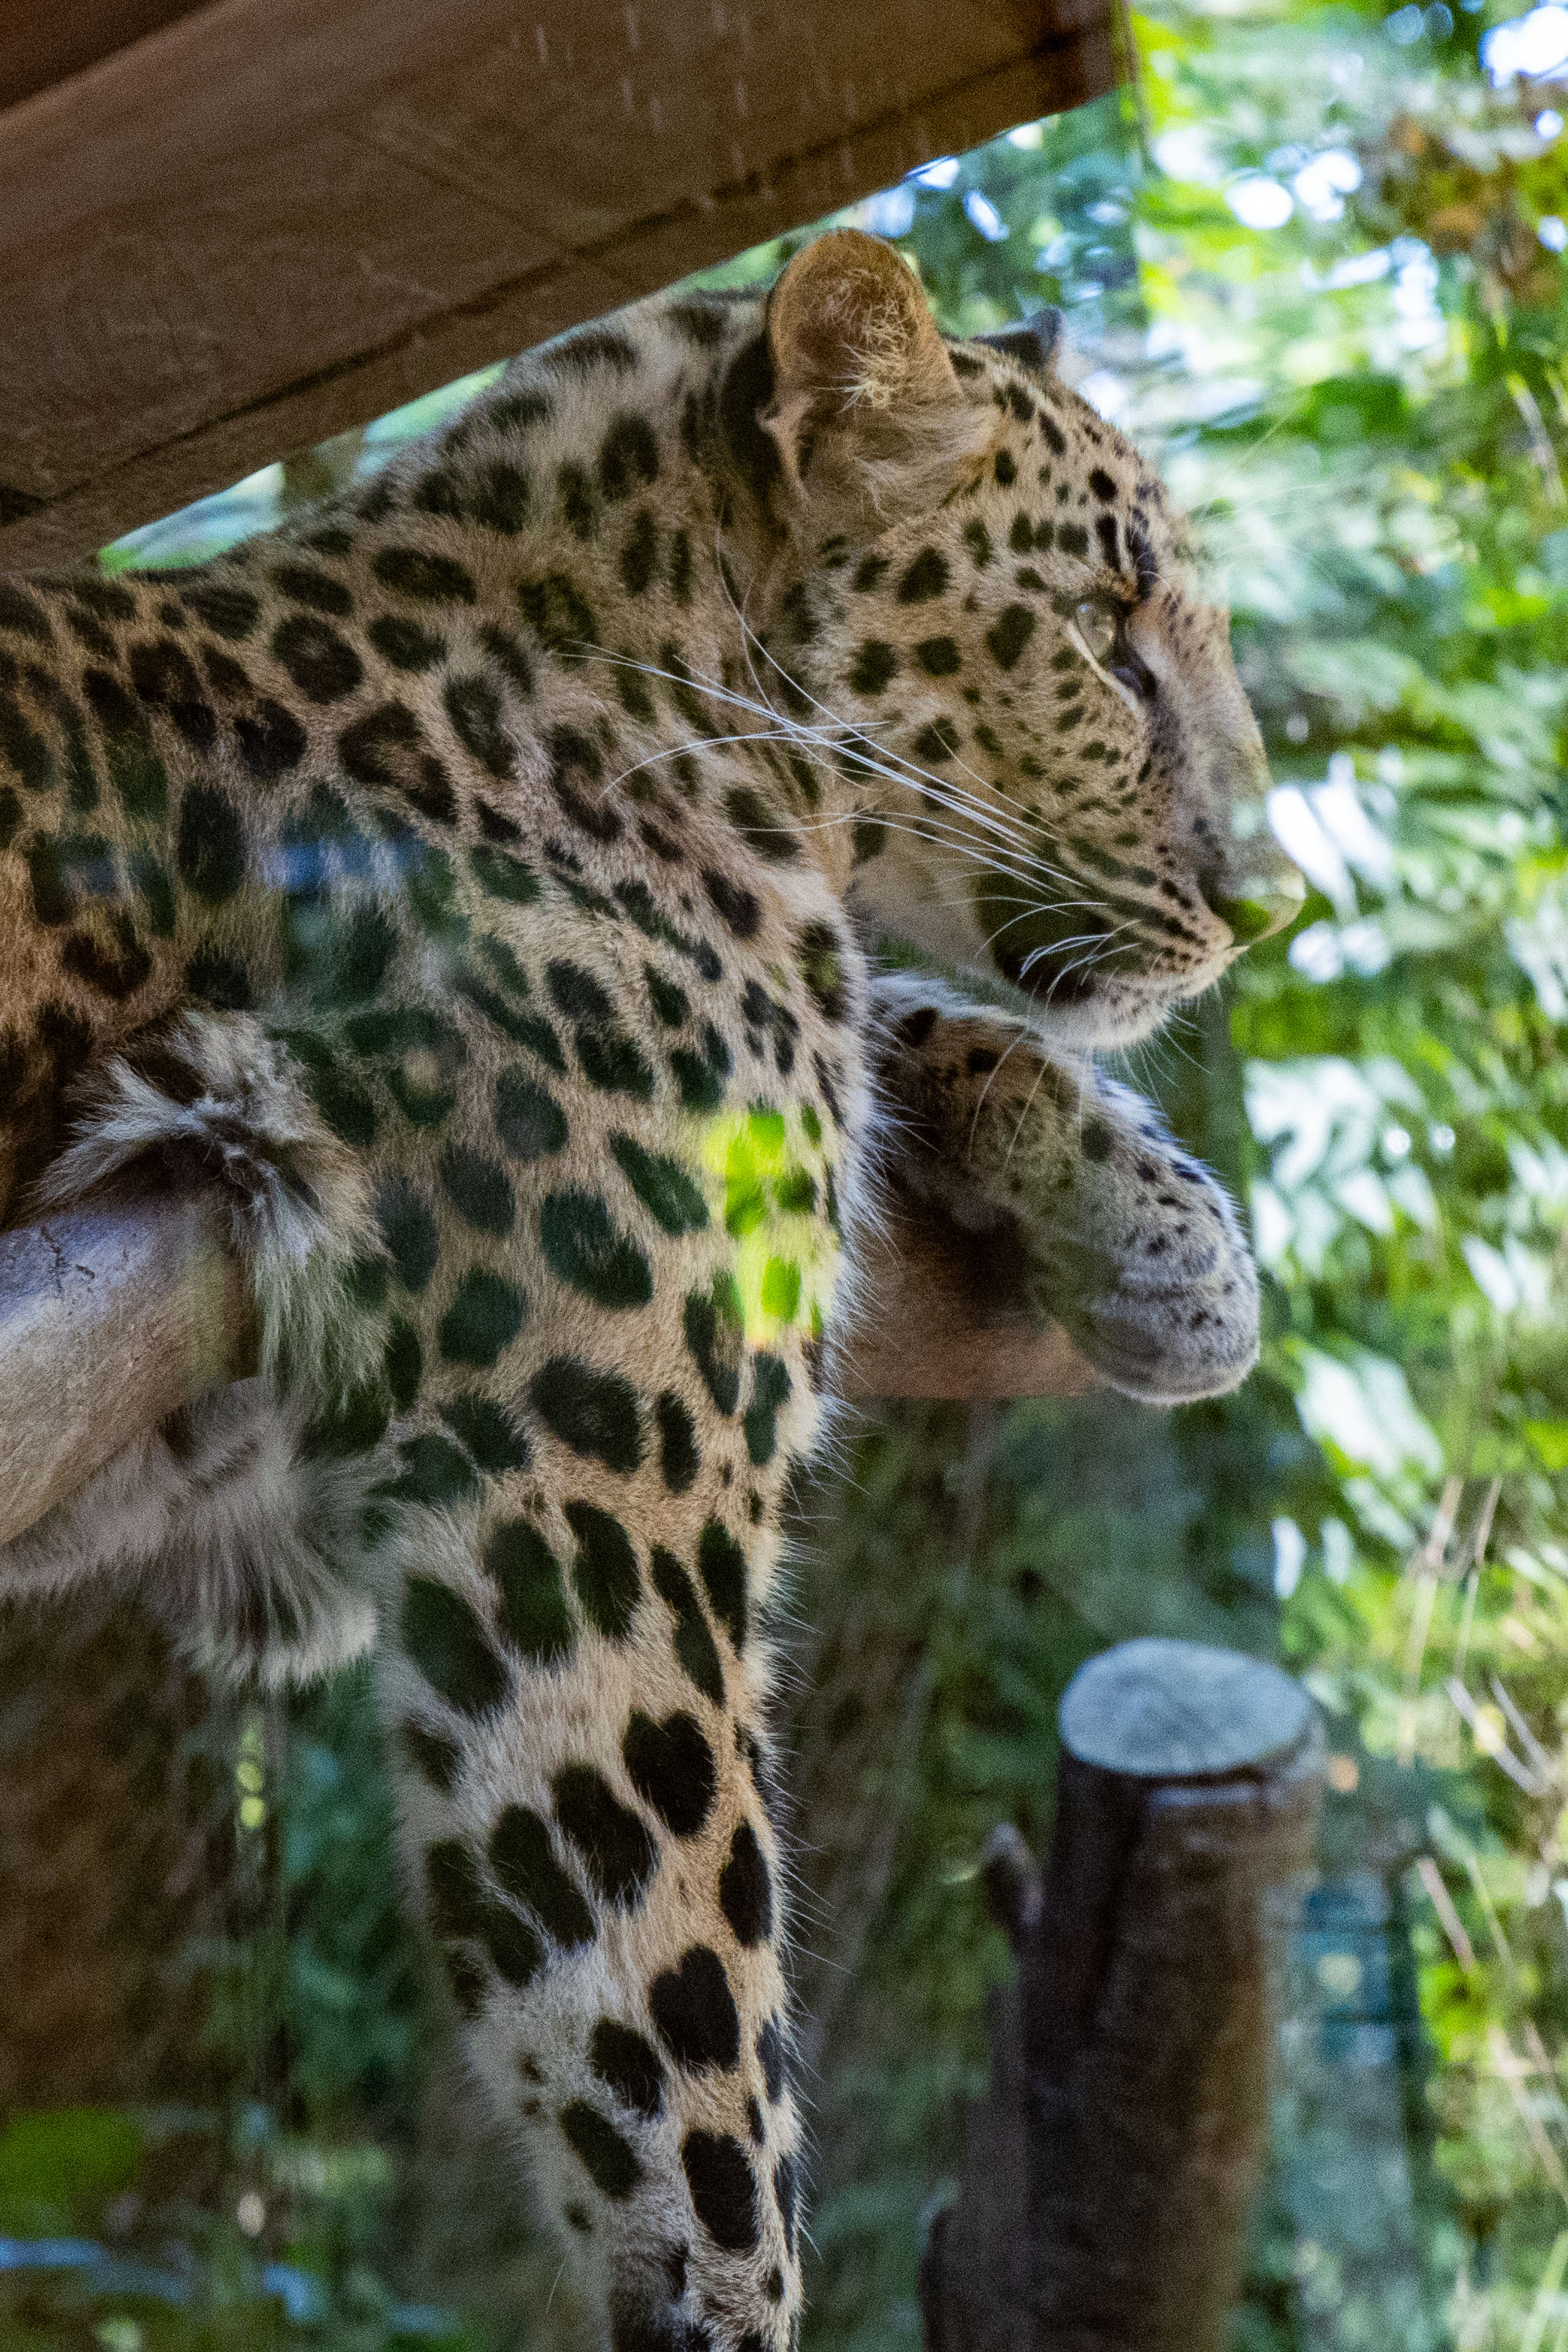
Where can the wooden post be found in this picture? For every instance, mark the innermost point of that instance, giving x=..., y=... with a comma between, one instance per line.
x=1109, y=2166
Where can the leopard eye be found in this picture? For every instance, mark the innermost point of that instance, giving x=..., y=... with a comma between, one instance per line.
x=1099, y=626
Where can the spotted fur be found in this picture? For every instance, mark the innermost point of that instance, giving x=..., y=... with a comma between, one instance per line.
x=480, y=880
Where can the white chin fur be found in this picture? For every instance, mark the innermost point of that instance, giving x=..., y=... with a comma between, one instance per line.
x=1099, y=1027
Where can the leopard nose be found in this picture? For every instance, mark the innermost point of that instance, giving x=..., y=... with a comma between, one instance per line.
x=1256, y=905
x=1252, y=885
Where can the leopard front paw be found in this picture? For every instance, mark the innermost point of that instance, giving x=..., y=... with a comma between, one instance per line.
x=1142, y=1258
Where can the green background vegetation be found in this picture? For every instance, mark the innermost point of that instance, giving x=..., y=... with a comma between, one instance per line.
x=1364, y=408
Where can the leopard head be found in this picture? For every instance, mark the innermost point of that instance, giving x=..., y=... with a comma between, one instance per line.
x=1061, y=779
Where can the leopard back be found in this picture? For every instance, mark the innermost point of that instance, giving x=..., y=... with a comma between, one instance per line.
x=478, y=880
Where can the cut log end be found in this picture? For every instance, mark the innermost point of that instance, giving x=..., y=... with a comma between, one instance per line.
x=1160, y=1711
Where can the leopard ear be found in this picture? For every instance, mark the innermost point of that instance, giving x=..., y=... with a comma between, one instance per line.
x=1034, y=343
x=862, y=380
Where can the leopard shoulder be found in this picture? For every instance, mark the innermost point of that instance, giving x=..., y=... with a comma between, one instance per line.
x=483, y=880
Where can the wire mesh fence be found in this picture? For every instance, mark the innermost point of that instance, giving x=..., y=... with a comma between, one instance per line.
x=117, y=1861
x=232, y=2112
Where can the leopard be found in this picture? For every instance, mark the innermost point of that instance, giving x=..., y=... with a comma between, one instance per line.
x=746, y=771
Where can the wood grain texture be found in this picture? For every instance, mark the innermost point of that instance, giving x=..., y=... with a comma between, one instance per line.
x=1161, y=1710
x=270, y=220
x=109, y=1319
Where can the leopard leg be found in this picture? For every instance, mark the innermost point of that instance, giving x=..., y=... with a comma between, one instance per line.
x=1129, y=1243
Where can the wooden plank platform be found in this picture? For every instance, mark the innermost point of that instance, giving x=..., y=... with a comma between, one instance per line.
x=257, y=222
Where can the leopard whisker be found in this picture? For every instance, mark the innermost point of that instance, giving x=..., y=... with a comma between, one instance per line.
x=978, y=807
x=748, y=635
x=1100, y=946
x=952, y=838
x=1010, y=799
x=1023, y=1034
x=1090, y=939
x=1024, y=1109
x=811, y=740
x=1087, y=962
x=679, y=750
x=891, y=768
x=1031, y=907
x=954, y=842
x=751, y=637
x=1028, y=908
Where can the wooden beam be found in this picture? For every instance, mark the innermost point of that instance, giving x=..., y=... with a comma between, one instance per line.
x=109, y=1319
x=270, y=220
x=113, y=1317
x=40, y=46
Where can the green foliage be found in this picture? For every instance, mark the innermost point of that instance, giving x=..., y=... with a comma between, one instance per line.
x=49, y=2161
x=1383, y=514
x=960, y=1573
